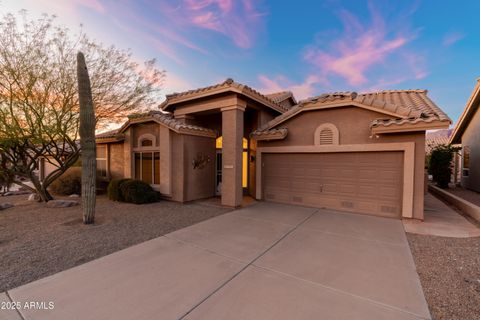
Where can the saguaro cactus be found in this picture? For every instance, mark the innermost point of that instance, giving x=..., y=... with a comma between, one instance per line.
x=87, y=141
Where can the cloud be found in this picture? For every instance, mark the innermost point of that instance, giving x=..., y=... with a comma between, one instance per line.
x=91, y=4
x=302, y=90
x=451, y=38
x=175, y=83
x=240, y=21
x=358, y=49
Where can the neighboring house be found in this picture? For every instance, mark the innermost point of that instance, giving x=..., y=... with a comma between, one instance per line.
x=442, y=137
x=467, y=134
x=360, y=153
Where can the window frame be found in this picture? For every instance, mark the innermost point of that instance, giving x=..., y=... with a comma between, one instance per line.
x=466, y=153
x=97, y=159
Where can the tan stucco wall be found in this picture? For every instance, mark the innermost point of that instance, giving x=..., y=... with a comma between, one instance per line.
x=353, y=125
x=145, y=128
x=471, y=138
x=178, y=180
x=116, y=160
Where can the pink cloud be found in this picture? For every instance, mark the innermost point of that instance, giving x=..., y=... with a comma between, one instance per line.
x=357, y=49
x=91, y=4
x=239, y=21
x=451, y=38
x=302, y=90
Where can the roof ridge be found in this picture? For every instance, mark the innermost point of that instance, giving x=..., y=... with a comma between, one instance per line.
x=229, y=82
x=397, y=90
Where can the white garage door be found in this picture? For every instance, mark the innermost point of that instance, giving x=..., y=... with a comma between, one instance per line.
x=362, y=182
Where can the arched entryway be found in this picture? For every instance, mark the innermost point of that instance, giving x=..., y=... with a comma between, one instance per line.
x=218, y=165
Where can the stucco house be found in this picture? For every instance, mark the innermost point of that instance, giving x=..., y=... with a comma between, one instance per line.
x=361, y=153
x=467, y=134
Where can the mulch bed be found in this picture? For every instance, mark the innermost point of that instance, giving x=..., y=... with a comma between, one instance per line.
x=36, y=241
x=449, y=270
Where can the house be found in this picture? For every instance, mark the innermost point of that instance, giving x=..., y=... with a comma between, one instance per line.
x=360, y=153
x=437, y=138
x=467, y=134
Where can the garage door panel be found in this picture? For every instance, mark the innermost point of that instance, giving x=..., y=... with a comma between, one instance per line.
x=363, y=182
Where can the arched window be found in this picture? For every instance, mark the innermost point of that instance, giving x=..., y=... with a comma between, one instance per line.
x=147, y=140
x=326, y=134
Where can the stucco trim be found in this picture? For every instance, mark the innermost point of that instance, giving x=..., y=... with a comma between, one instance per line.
x=410, y=127
x=234, y=107
x=146, y=136
x=408, y=149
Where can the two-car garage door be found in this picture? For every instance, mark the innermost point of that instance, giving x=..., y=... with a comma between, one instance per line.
x=363, y=182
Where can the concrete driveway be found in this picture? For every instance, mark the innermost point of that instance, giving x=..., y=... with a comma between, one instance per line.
x=266, y=261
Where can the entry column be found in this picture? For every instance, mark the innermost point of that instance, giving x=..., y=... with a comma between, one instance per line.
x=232, y=135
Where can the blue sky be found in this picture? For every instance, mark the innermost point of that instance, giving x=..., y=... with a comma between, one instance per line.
x=309, y=47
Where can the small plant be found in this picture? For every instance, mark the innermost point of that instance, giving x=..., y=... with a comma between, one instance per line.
x=440, y=164
x=138, y=192
x=113, y=189
x=68, y=183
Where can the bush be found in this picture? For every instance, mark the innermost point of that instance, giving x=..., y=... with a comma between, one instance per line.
x=113, y=189
x=68, y=183
x=440, y=164
x=71, y=183
x=138, y=192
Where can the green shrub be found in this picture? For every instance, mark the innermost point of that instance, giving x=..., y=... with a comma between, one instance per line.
x=138, y=192
x=68, y=183
x=440, y=164
x=113, y=189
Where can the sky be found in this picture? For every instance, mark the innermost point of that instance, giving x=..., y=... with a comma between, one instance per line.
x=306, y=46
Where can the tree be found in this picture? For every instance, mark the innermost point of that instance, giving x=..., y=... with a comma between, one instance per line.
x=440, y=164
x=39, y=106
x=87, y=141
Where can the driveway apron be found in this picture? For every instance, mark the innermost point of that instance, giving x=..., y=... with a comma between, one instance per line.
x=265, y=261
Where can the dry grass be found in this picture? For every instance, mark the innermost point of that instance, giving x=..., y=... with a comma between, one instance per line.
x=36, y=241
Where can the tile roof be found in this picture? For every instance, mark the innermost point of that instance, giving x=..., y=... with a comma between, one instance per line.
x=227, y=85
x=281, y=96
x=406, y=106
x=107, y=134
x=170, y=122
x=437, y=138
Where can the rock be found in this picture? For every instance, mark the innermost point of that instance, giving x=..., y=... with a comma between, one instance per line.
x=6, y=205
x=16, y=193
x=74, y=196
x=61, y=203
x=33, y=197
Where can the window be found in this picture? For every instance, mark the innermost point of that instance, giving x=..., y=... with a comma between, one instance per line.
x=147, y=143
x=102, y=160
x=466, y=160
x=147, y=167
x=326, y=134
x=146, y=140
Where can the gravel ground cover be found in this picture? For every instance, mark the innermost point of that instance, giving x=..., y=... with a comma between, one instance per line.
x=469, y=195
x=36, y=241
x=449, y=270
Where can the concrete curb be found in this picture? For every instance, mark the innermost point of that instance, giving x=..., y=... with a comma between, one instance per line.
x=467, y=207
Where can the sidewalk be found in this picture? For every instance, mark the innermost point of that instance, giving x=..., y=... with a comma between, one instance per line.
x=441, y=220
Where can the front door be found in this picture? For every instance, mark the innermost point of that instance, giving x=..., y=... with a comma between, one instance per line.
x=218, y=172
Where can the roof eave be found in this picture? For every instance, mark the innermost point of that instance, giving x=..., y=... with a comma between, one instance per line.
x=240, y=89
x=267, y=136
x=467, y=114
x=415, y=127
